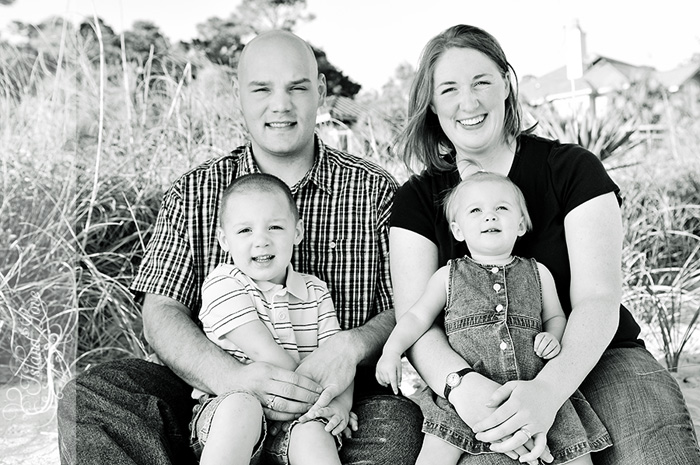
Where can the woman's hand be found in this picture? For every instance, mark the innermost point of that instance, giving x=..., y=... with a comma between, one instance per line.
x=523, y=409
x=473, y=401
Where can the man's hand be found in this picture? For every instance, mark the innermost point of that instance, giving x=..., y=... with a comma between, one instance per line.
x=331, y=366
x=389, y=370
x=284, y=394
x=546, y=345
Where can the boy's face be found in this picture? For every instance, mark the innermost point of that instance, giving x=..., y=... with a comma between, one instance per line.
x=488, y=218
x=259, y=231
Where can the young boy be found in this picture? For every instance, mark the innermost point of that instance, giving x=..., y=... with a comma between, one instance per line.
x=259, y=309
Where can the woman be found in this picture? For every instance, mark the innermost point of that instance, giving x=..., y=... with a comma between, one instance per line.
x=464, y=116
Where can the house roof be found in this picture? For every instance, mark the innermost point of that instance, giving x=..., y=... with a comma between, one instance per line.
x=601, y=76
x=343, y=108
x=675, y=78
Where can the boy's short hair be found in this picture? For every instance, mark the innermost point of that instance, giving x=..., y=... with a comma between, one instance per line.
x=486, y=176
x=257, y=182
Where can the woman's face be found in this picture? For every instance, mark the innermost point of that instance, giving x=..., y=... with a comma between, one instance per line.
x=469, y=94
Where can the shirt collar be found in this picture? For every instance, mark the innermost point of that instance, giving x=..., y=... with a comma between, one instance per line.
x=295, y=284
x=319, y=174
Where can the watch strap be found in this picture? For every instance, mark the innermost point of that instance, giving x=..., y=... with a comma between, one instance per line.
x=459, y=373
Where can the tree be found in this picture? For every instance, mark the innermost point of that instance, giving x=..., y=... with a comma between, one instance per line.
x=263, y=15
x=221, y=40
x=110, y=41
x=337, y=82
x=140, y=38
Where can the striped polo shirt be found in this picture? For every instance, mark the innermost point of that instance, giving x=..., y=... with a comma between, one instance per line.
x=299, y=314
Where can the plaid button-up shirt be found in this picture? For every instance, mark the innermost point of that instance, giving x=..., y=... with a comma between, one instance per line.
x=344, y=202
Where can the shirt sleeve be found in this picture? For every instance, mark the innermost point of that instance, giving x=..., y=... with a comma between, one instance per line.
x=579, y=176
x=226, y=305
x=167, y=268
x=414, y=209
x=384, y=299
x=328, y=323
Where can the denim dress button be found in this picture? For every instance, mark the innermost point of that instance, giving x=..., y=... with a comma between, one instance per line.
x=503, y=345
x=494, y=270
x=499, y=308
x=496, y=287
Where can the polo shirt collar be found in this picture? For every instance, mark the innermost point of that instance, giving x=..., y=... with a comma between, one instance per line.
x=319, y=174
x=295, y=284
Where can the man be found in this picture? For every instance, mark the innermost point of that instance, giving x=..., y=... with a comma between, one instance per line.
x=135, y=411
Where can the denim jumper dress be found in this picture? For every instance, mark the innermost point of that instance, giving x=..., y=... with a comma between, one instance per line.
x=492, y=316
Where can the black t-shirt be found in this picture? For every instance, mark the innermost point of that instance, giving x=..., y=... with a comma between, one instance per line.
x=555, y=178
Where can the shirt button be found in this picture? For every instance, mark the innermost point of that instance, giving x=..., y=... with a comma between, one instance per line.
x=499, y=307
x=332, y=245
x=496, y=287
x=281, y=316
x=503, y=345
x=494, y=270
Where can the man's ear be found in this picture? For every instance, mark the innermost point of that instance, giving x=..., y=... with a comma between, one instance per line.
x=221, y=237
x=456, y=231
x=298, y=232
x=322, y=89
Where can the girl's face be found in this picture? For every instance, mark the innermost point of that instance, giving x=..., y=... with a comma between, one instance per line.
x=469, y=94
x=488, y=218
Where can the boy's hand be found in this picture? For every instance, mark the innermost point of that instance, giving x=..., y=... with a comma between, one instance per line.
x=340, y=420
x=389, y=370
x=546, y=345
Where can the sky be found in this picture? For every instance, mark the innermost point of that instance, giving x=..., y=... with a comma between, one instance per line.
x=369, y=39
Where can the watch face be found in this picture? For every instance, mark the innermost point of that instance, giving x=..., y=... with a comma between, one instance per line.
x=453, y=379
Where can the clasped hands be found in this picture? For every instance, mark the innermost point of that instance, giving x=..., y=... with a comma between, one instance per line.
x=308, y=393
x=513, y=418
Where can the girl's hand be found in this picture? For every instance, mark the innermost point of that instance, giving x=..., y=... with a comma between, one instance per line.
x=389, y=370
x=338, y=418
x=546, y=345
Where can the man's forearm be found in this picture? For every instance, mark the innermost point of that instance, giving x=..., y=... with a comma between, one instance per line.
x=368, y=340
x=182, y=346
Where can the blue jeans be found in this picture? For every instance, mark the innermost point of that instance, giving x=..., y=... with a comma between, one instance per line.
x=135, y=412
x=643, y=409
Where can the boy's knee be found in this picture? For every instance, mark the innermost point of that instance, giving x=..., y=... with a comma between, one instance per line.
x=240, y=405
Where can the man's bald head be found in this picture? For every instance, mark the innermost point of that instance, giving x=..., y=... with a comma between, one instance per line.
x=279, y=40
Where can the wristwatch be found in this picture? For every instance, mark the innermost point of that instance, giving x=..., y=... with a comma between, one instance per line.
x=453, y=380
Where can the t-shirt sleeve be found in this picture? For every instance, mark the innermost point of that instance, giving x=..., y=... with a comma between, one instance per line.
x=167, y=268
x=414, y=209
x=579, y=176
x=226, y=305
x=328, y=323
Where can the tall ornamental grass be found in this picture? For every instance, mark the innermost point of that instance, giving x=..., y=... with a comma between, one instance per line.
x=86, y=153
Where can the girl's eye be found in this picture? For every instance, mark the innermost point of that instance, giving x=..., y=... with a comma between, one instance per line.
x=276, y=227
x=502, y=207
x=482, y=83
x=244, y=231
x=446, y=90
x=475, y=210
